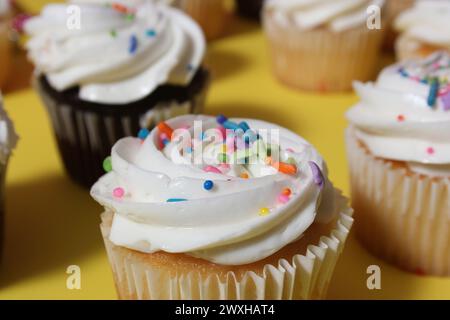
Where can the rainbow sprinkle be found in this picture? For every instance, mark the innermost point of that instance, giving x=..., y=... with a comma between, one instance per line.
x=107, y=164
x=264, y=211
x=434, y=89
x=118, y=192
x=134, y=43
x=317, y=175
x=172, y=200
x=208, y=185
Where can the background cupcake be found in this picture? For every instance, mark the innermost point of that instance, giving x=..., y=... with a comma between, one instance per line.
x=8, y=141
x=126, y=68
x=322, y=45
x=222, y=221
x=212, y=15
x=399, y=151
x=425, y=28
x=5, y=43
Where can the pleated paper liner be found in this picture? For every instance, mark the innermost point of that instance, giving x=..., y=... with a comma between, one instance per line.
x=5, y=52
x=86, y=134
x=212, y=15
x=401, y=216
x=304, y=274
x=3, y=167
x=320, y=59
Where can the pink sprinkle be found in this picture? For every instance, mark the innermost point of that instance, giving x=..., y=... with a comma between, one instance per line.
x=223, y=131
x=118, y=192
x=212, y=169
x=224, y=166
x=282, y=198
x=430, y=150
x=290, y=150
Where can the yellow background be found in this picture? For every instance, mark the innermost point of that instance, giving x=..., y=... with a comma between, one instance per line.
x=52, y=223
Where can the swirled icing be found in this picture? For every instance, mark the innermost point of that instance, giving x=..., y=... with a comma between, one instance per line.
x=120, y=53
x=405, y=115
x=164, y=204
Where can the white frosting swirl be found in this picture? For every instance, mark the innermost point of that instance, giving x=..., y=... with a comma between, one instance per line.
x=8, y=136
x=222, y=225
x=120, y=54
x=397, y=120
x=428, y=21
x=338, y=15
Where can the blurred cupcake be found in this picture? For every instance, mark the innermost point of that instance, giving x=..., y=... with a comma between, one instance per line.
x=8, y=141
x=125, y=68
x=393, y=9
x=251, y=217
x=399, y=150
x=212, y=15
x=425, y=28
x=322, y=45
x=250, y=8
x=5, y=43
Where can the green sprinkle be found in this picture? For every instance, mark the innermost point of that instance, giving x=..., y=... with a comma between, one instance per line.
x=130, y=17
x=223, y=158
x=113, y=33
x=107, y=164
x=291, y=160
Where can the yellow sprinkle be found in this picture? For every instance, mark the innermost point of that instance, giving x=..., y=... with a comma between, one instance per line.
x=224, y=148
x=264, y=211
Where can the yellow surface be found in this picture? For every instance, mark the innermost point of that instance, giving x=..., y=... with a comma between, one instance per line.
x=52, y=223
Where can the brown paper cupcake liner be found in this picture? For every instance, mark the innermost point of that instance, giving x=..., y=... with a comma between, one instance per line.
x=401, y=216
x=320, y=59
x=305, y=276
x=85, y=136
x=5, y=52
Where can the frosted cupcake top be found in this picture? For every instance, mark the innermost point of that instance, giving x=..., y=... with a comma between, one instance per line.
x=405, y=115
x=116, y=52
x=201, y=186
x=337, y=15
x=428, y=21
x=8, y=136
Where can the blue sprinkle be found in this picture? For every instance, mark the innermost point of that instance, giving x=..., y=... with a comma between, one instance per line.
x=202, y=136
x=143, y=134
x=221, y=119
x=176, y=200
x=165, y=142
x=250, y=136
x=244, y=126
x=317, y=175
x=231, y=125
x=150, y=33
x=208, y=185
x=434, y=89
x=189, y=150
x=133, y=44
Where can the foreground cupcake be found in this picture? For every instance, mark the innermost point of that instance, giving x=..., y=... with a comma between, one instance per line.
x=425, y=28
x=322, y=45
x=5, y=43
x=191, y=216
x=127, y=67
x=8, y=141
x=399, y=152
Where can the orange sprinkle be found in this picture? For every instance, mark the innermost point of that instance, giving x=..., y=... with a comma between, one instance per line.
x=166, y=129
x=120, y=8
x=286, y=192
x=244, y=175
x=283, y=167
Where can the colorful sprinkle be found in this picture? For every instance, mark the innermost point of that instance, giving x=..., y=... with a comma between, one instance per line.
x=244, y=175
x=166, y=129
x=221, y=119
x=446, y=101
x=432, y=95
x=150, y=33
x=120, y=8
x=291, y=160
x=118, y=192
x=143, y=133
x=223, y=158
x=283, y=199
x=286, y=192
x=400, y=118
x=133, y=44
x=171, y=200
x=208, y=185
x=317, y=174
x=264, y=211
x=212, y=169
x=113, y=33
x=107, y=164
x=230, y=125
x=282, y=167
x=244, y=126
x=430, y=150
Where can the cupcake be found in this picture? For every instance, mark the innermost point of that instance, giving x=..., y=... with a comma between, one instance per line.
x=212, y=15
x=5, y=43
x=393, y=9
x=399, y=151
x=250, y=8
x=125, y=68
x=424, y=29
x=322, y=45
x=198, y=209
x=8, y=141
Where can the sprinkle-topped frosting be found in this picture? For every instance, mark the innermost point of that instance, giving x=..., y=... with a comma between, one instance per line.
x=338, y=15
x=405, y=115
x=428, y=22
x=119, y=53
x=231, y=191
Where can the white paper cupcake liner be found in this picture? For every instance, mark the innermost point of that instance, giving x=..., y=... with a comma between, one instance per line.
x=401, y=216
x=85, y=137
x=304, y=277
x=320, y=59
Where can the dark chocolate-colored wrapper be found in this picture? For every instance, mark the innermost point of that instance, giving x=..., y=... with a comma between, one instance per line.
x=85, y=132
x=250, y=8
